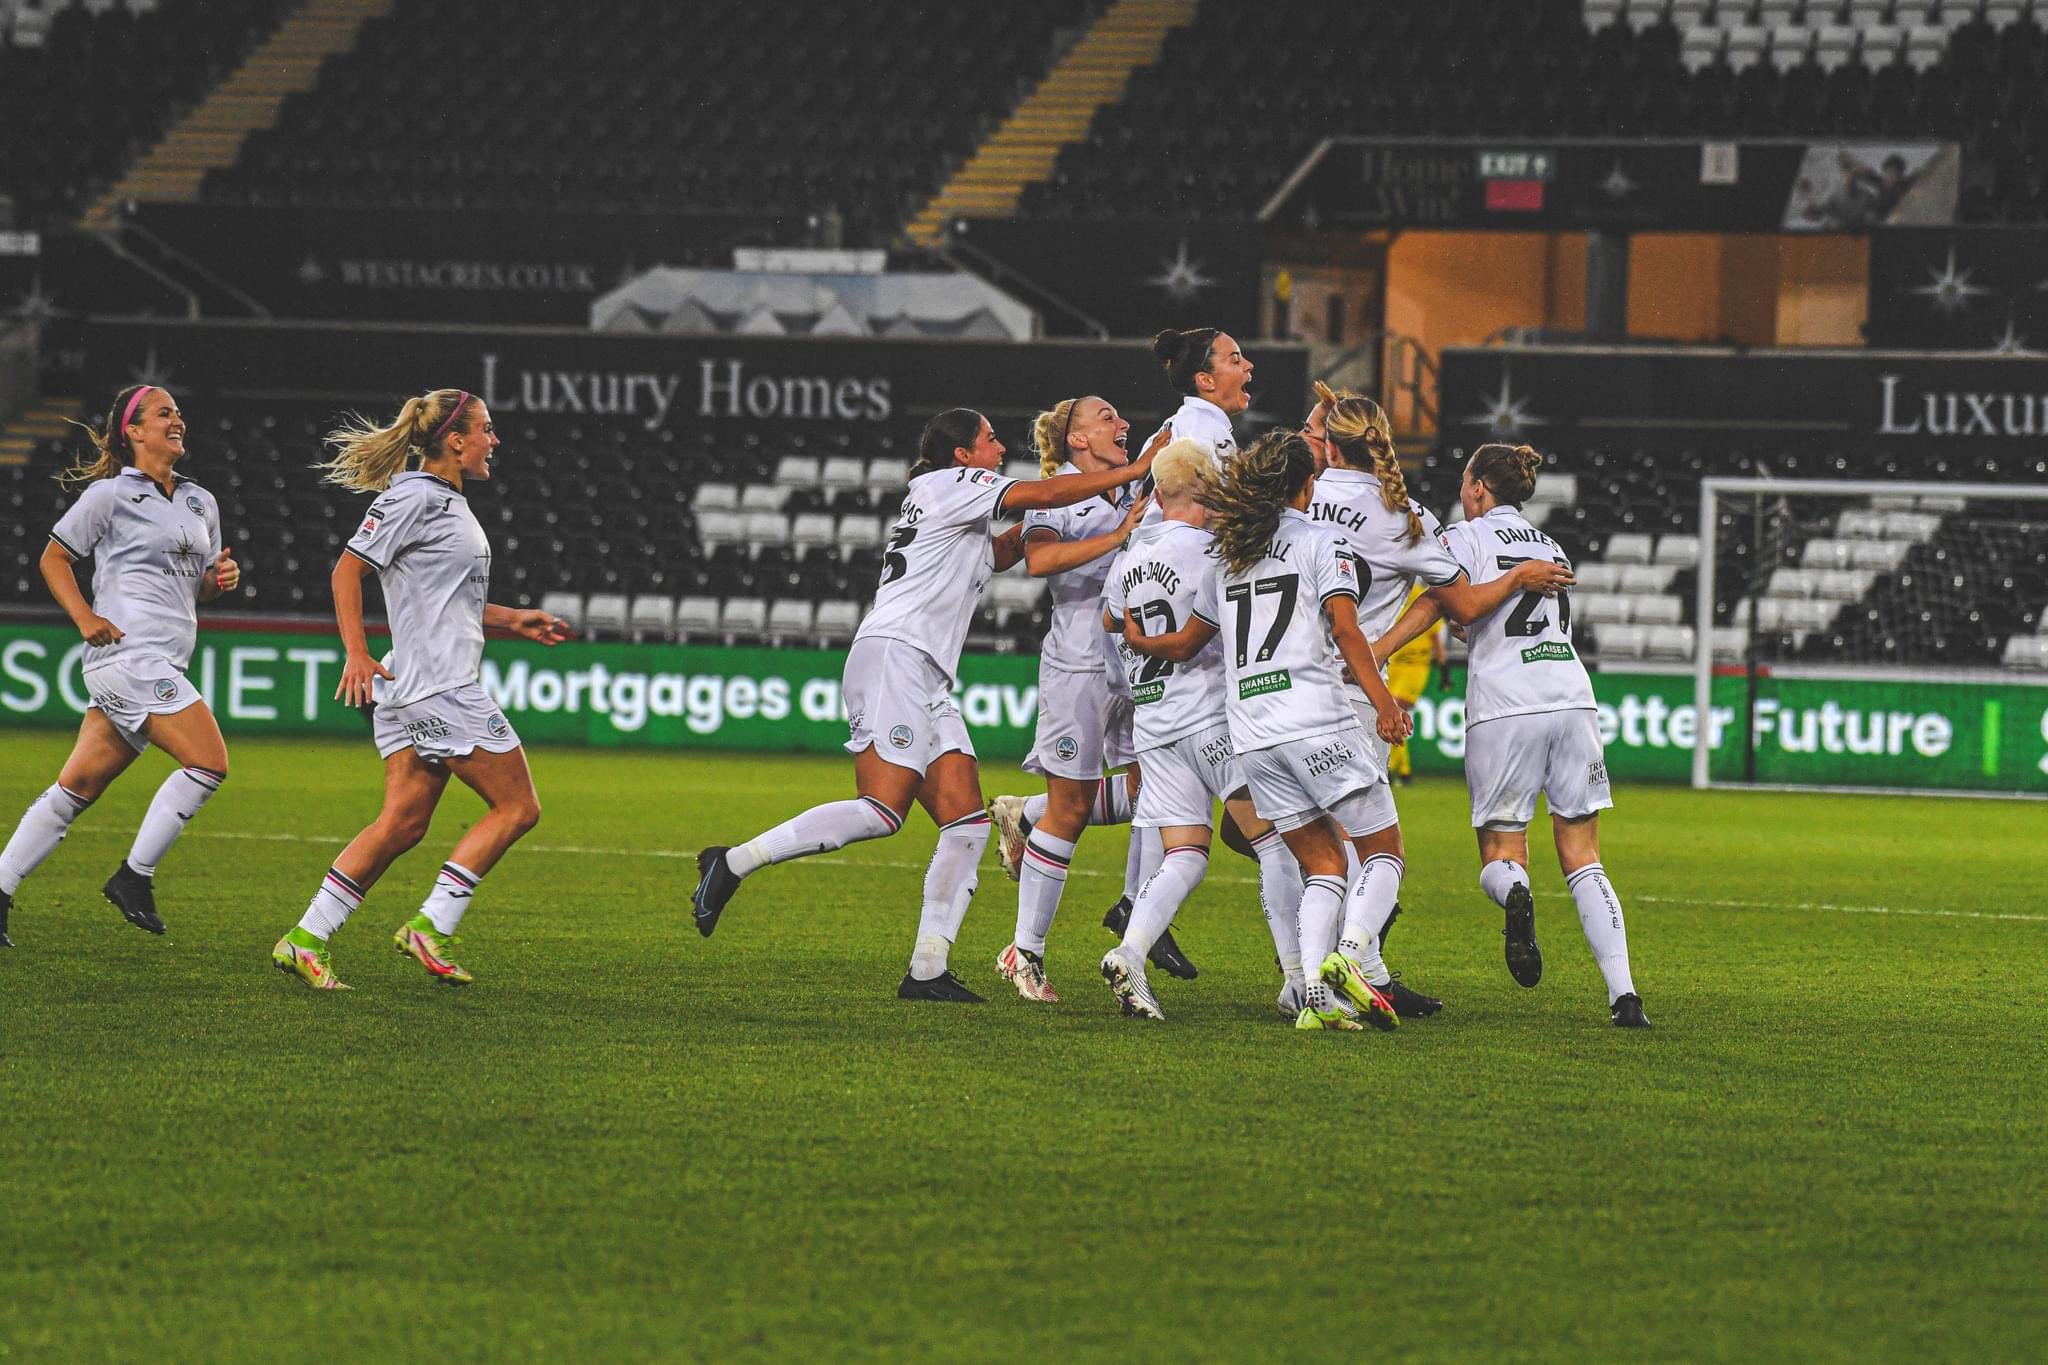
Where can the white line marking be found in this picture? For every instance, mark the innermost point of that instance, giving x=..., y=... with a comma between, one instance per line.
x=690, y=855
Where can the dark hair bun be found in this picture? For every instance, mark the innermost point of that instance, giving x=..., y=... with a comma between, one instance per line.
x=1169, y=345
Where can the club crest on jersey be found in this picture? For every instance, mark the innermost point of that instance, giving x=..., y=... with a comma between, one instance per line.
x=1066, y=748
x=164, y=689
x=901, y=736
x=496, y=726
x=192, y=501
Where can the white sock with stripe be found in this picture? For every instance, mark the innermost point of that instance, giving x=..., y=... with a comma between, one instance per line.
x=175, y=802
x=821, y=829
x=332, y=904
x=948, y=886
x=1041, y=877
x=446, y=903
x=1322, y=904
x=1606, y=935
x=1498, y=878
x=43, y=826
x=1141, y=861
x=1367, y=910
x=1160, y=899
x=1280, y=896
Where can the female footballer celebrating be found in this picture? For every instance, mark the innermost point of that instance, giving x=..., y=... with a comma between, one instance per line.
x=431, y=718
x=154, y=538
x=906, y=735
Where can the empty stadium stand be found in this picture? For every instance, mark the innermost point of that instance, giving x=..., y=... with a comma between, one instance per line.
x=1237, y=98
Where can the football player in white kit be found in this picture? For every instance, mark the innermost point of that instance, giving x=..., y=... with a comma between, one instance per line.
x=1530, y=727
x=431, y=717
x=1163, y=598
x=1290, y=592
x=154, y=538
x=1362, y=493
x=1083, y=727
x=905, y=731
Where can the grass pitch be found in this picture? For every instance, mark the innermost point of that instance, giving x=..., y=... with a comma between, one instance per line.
x=627, y=1143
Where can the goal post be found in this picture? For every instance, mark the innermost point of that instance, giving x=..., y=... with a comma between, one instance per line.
x=1871, y=634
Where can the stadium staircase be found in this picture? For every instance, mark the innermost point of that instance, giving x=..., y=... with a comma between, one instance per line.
x=39, y=421
x=1023, y=150
x=212, y=134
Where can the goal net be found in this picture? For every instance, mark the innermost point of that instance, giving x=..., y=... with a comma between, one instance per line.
x=1872, y=634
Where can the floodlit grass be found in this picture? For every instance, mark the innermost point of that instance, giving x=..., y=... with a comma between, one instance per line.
x=625, y=1142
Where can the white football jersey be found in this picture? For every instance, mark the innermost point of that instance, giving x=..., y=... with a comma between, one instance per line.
x=1523, y=659
x=1283, y=677
x=1208, y=426
x=1352, y=502
x=1166, y=577
x=1073, y=642
x=938, y=560
x=150, y=552
x=435, y=565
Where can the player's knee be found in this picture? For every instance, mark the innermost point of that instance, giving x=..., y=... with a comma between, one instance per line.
x=405, y=829
x=524, y=813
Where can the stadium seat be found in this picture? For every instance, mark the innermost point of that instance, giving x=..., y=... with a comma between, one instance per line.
x=1860, y=524
x=2028, y=652
x=1731, y=644
x=721, y=528
x=790, y=619
x=1680, y=551
x=1807, y=615
x=1647, y=578
x=652, y=617
x=1827, y=553
x=1842, y=585
x=1886, y=555
x=764, y=529
x=841, y=472
x=605, y=614
x=1671, y=643
x=1628, y=548
x=1657, y=610
x=798, y=471
x=859, y=531
x=837, y=621
x=1794, y=582
x=720, y=497
x=812, y=531
x=1910, y=525
x=1621, y=642
x=743, y=618
x=763, y=497
x=697, y=618
x=886, y=476
x=567, y=605
x=1597, y=578
x=1603, y=610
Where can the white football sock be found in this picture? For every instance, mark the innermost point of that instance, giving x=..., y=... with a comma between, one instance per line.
x=1034, y=808
x=821, y=829
x=1280, y=897
x=1351, y=863
x=1041, y=877
x=1112, y=804
x=1366, y=911
x=43, y=826
x=175, y=802
x=1160, y=899
x=1141, y=861
x=1498, y=878
x=1600, y=917
x=952, y=870
x=1322, y=903
x=338, y=897
x=446, y=903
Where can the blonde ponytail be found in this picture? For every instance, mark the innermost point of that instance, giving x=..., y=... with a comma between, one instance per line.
x=368, y=457
x=108, y=444
x=1358, y=429
x=1049, y=437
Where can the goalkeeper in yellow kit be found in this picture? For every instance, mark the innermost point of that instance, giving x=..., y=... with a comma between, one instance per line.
x=1407, y=676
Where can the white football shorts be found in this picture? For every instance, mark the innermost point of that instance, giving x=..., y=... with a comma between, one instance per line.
x=1509, y=761
x=448, y=724
x=900, y=703
x=130, y=688
x=1183, y=780
x=1377, y=749
x=1083, y=727
x=1294, y=782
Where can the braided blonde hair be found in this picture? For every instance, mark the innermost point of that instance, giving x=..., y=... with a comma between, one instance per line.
x=368, y=457
x=1246, y=502
x=1358, y=430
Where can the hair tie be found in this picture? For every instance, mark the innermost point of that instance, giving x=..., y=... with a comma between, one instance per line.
x=460, y=403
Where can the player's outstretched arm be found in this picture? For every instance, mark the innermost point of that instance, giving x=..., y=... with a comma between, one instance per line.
x=1064, y=490
x=525, y=623
x=1009, y=549
x=1046, y=555
x=1465, y=601
x=1176, y=646
x=357, y=667
x=1358, y=656
x=1424, y=612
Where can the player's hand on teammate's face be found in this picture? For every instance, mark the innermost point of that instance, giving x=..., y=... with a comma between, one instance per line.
x=227, y=575
x=1538, y=575
x=98, y=630
x=357, y=671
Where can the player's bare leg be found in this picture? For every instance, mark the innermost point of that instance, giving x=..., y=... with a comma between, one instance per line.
x=1043, y=878
x=1369, y=907
x=506, y=785
x=951, y=795
x=192, y=739
x=1280, y=888
x=1504, y=876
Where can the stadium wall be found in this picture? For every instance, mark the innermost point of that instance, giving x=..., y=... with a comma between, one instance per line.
x=1814, y=730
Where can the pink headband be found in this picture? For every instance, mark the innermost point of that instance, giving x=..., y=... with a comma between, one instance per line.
x=449, y=421
x=128, y=417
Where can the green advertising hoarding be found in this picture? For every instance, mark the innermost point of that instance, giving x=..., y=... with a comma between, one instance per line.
x=1845, y=731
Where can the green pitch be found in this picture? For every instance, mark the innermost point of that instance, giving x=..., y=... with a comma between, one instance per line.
x=625, y=1142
